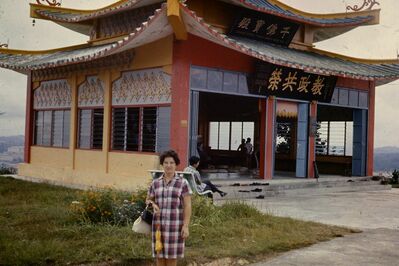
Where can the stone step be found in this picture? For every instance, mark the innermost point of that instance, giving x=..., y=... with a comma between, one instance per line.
x=299, y=188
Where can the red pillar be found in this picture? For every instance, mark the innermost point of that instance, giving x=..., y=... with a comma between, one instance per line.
x=180, y=101
x=28, y=119
x=267, y=138
x=262, y=136
x=370, y=129
x=312, y=140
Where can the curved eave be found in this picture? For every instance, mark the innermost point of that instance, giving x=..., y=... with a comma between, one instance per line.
x=321, y=20
x=155, y=28
x=322, y=34
x=311, y=62
x=59, y=14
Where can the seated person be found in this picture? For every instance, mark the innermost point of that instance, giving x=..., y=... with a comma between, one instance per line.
x=201, y=185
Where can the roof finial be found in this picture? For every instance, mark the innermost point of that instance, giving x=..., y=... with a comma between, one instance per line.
x=49, y=2
x=365, y=4
x=5, y=45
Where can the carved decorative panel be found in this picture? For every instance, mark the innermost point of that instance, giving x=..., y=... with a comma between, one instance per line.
x=91, y=92
x=151, y=86
x=122, y=59
x=125, y=22
x=52, y=94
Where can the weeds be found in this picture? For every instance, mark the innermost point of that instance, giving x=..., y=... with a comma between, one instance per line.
x=37, y=228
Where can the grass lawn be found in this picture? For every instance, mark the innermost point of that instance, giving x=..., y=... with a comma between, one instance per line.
x=36, y=227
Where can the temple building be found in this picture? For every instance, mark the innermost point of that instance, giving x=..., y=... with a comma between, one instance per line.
x=197, y=76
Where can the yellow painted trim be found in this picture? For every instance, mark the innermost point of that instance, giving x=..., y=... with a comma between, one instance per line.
x=176, y=20
x=24, y=52
x=72, y=10
x=72, y=81
x=354, y=59
x=330, y=15
x=105, y=40
x=155, y=54
x=106, y=78
x=167, y=69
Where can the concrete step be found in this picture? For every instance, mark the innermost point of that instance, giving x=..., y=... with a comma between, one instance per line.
x=297, y=187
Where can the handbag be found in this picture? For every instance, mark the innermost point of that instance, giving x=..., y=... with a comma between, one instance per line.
x=141, y=227
x=147, y=216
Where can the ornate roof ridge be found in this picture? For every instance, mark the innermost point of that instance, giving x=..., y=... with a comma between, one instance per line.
x=356, y=59
x=23, y=61
x=275, y=7
x=55, y=13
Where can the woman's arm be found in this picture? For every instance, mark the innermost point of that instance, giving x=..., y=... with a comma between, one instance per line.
x=186, y=216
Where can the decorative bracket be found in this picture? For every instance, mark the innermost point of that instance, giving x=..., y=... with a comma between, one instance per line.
x=176, y=20
x=365, y=4
x=3, y=45
x=49, y=2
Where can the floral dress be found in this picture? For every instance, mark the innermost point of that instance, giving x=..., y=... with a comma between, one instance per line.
x=169, y=198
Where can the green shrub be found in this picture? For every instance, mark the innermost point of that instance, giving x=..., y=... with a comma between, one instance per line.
x=108, y=206
x=395, y=177
x=7, y=170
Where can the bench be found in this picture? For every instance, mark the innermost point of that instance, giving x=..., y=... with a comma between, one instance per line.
x=186, y=175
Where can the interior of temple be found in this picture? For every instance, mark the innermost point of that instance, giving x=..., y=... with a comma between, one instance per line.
x=222, y=127
x=224, y=120
x=334, y=140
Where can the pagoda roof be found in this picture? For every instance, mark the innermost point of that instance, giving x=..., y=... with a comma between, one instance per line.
x=273, y=7
x=157, y=27
x=313, y=61
x=68, y=15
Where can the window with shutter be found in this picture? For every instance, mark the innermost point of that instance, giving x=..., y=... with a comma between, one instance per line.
x=97, y=135
x=58, y=123
x=47, y=117
x=134, y=129
x=149, y=131
x=38, y=128
x=118, y=128
x=91, y=128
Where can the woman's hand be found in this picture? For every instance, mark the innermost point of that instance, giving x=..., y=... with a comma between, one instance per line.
x=156, y=208
x=184, y=232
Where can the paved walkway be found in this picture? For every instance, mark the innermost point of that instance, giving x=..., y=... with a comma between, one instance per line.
x=376, y=213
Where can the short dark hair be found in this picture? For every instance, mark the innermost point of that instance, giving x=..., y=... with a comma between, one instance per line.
x=193, y=160
x=169, y=153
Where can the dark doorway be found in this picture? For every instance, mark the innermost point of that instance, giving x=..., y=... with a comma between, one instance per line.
x=223, y=121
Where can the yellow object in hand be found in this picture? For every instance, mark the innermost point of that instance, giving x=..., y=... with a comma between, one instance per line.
x=158, y=241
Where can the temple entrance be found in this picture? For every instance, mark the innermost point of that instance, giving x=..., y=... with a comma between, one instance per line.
x=285, y=138
x=223, y=122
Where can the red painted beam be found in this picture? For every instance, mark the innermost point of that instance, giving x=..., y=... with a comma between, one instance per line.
x=312, y=143
x=180, y=101
x=262, y=136
x=269, y=148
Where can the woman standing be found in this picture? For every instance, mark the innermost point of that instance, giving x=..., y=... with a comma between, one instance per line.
x=170, y=196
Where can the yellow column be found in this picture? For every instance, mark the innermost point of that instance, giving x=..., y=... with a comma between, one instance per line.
x=74, y=118
x=105, y=77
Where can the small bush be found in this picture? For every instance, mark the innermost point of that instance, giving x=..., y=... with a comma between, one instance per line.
x=108, y=206
x=395, y=177
x=7, y=170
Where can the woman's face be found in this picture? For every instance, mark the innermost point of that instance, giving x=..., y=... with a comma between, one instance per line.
x=169, y=165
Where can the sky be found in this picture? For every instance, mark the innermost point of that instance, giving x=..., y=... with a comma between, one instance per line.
x=377, y=41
